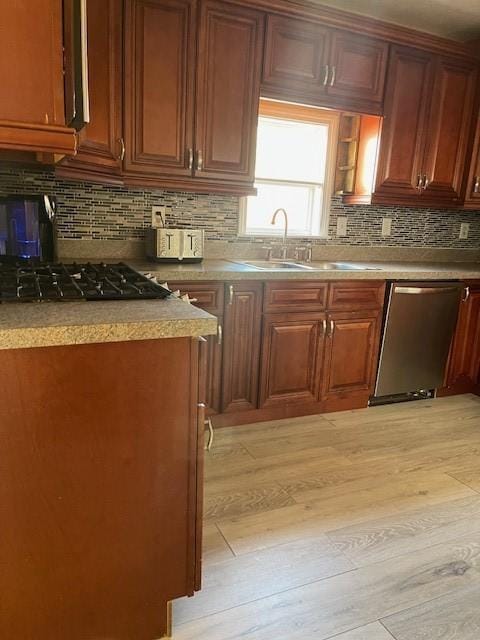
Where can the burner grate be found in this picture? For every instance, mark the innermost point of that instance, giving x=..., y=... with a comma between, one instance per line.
x=25, y=282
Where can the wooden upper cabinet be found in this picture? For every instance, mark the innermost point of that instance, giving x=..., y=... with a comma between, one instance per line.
x=358, y=69
x=241, y=351
x=228, y=91
x=306, y=61
x=472, y=200
x=404, y=128
x=292, y=349
x=31, y=62
x=296, y=53
x=449, y=127
x=100, y=143
x=32, y=96
x=159, y=86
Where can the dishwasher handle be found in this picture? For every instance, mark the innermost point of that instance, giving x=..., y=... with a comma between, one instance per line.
x=421, y=290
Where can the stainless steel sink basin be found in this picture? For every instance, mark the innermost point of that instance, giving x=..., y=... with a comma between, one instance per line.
x=285, y=265
x=276, y=265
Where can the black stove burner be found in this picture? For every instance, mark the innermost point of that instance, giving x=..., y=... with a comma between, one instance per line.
x=26, y=282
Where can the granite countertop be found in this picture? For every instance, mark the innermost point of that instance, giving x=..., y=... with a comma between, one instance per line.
x=45, y=324
x=230, y=270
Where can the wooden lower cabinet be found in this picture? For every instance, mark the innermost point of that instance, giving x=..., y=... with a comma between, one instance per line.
x=102, y=491
x=288, y=348
x=351, y=353
x=241, y=349
x=463, y=372
x=292, y=350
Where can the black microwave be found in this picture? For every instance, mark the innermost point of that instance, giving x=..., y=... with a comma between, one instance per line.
x=27, y=228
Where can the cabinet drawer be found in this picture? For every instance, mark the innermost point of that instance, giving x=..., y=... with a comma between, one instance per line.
x=208, y=295
x=295, y=296
x=350, y=296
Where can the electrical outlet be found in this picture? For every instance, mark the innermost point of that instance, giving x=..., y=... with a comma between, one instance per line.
x=158, y=216
x=464, y=229
x=386, y=227
x=341, y=226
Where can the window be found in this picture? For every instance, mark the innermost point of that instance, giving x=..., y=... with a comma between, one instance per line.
x=294, y=170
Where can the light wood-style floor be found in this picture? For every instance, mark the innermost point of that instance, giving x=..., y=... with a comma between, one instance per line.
x=360, y=525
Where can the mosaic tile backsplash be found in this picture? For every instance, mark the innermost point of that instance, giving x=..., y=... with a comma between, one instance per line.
x=92, y=211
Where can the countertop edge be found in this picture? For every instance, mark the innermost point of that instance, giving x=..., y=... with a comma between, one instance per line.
x=70, y=335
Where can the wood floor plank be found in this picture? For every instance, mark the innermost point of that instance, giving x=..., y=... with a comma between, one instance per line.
x=469, y=477
x=455, y=616
x=322, y=609
x=278, y=526
x=240, y=580
x=408, y=532
x=215, y=548
x=245, y=501
x=374, y=631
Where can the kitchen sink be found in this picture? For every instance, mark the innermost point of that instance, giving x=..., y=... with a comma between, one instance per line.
x=276, y=265
x=285, y=265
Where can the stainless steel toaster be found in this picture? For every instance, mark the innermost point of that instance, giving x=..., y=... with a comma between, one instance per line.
x=175, y=245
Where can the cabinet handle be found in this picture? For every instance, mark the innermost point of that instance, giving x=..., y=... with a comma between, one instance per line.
x=476, y=185
x=219, y=334
x=419, y=182
x=324, y=326
x=230, y=294
x=122, y=149
x=334, y=74
x=325, y=77
x=332, y=328
x=466, y=294
x=199, y=160
x=190, y=159
x=425, y=182
x=209, y=424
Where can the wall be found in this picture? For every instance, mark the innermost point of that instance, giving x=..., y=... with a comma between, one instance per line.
x=91, y=211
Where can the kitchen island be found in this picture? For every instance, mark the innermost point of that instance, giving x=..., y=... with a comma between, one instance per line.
x=101, y=430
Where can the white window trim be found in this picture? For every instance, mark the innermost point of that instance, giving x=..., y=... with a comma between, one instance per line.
x=328, y=188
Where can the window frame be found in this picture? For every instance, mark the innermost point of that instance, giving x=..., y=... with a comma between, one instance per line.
x=299, y=113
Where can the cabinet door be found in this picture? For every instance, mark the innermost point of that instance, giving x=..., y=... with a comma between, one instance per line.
x=213, y=365
x=402, y=141
x=241, y=351
x=351, y=352
x=101, y=141
x=464, y=363
x=228, y=91
x=358, y=69
x=472, y=200
x=31, y=62
x=295, y=61
x=159, y=86
x=292, y=347
x=449, y=127
x=209, y=297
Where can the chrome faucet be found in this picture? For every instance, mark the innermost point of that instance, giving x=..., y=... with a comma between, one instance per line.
x=274, y=217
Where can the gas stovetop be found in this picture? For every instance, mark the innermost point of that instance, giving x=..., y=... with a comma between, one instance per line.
x=28, y=282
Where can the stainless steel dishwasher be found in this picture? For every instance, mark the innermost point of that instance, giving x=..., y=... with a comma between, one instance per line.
x=418, y=329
